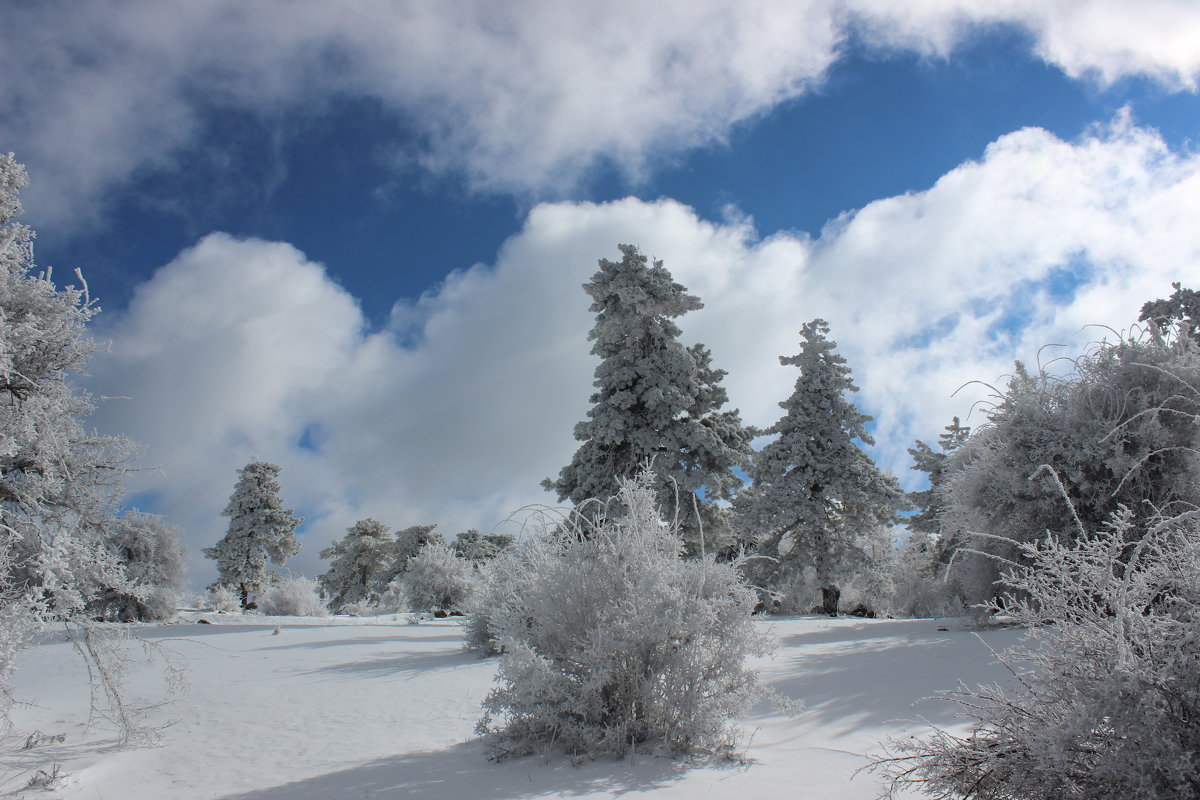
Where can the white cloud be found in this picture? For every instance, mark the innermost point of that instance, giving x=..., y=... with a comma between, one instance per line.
x=239, y=347
x=522, y=96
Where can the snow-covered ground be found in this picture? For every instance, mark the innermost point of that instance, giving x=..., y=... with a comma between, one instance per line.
x=350, y=709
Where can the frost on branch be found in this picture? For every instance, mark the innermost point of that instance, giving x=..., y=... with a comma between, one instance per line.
x=1107, y=698
x=610, y=639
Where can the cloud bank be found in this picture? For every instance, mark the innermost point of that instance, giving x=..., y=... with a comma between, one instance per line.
x=456, y=411
x=524, y=96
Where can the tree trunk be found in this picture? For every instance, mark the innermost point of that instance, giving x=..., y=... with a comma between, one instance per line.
x=830, y=597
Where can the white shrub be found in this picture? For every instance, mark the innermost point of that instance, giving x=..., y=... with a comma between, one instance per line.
x=294, y=597
x=438, y=580
x=610, y=640
x=1109, y=686
x=221, y=598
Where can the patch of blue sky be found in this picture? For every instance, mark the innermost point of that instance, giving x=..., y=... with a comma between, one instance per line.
x=148, y=502
x=311, y=438
x=923, y=338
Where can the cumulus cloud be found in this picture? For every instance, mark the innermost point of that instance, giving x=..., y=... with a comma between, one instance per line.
x=455, y=412
x=524, y=96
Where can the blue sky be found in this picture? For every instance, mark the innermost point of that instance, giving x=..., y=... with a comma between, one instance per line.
x=351, y=242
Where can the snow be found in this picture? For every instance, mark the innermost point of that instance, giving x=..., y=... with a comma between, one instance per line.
x=358, y=708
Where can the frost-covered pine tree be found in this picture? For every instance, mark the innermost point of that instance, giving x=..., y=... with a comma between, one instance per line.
x=656, y=400
x=1180, y=313
x=934, y=463
x=479, y=548
x=260, y=528
x=359, y=563
x=818, y=500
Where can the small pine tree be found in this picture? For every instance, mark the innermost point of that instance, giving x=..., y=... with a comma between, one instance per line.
x=934, y=463
x=817, y=496
x=260, y=528
x=409, y=542
x=359, y=563
x=656, y=400
x=479, y=548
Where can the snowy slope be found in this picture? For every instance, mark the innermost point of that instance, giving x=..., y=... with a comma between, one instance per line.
x=352, y=709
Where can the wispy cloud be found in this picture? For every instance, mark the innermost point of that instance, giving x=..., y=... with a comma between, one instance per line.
x=243, y=347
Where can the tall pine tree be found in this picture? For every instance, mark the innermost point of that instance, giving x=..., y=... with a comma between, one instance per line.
x=259, y=528
x=655, y=400
x=935, y=464
x=818, y=500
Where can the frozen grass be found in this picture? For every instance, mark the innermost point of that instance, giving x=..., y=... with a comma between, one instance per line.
x=353, y=708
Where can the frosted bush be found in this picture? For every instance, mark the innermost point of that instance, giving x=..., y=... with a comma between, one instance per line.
x=221, y=598
x=294, y=597
x=438, y=580
x=611, y=640
x=359, y=608
x=1108, y=687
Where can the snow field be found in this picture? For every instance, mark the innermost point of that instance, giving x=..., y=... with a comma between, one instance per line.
x=351, y=708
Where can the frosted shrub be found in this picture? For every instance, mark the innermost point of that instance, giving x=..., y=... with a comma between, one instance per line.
x=438, y=580
x=221, y=598
x=610, y=640
x=1108, y=701
x=359, y=608
x=294, y=597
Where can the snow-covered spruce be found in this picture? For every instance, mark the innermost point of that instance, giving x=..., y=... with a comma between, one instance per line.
x=655, y=400
x=259, y=528
x=819, y=505
x=615, y=641
x=360, y=564
x=1108, y=692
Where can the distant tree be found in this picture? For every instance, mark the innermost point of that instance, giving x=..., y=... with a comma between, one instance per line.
x=260, y=528
x=818, y=499
x=359, y=563
x=934, y=464
x=152, y=555
x=410, y=542
x=478, y=548
x=438, y=580
x=656, y=401
x=1181, y=310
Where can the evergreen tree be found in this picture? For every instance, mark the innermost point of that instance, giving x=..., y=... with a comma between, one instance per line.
x=478, y=548
x=656, y=400
x=934, y=463
x=818, y=499
x=358, y=563
x=259, y=528
x=409, y=543
x=1181, y=310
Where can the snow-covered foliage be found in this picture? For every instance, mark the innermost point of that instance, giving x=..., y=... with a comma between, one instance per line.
x=817, y=500
x=360, y=562
x=935, y=465
x=918, y=587
x=294, y=597
x=260, y=528
x=59, y=484
x=1108, y=693
x=612, y=640
x=220, y=598
x=1178, y=314
x=479, y=548
x=438, y=580
x=149, y=549
x=410, y=542
x=1062, y=453
x=655, y=400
